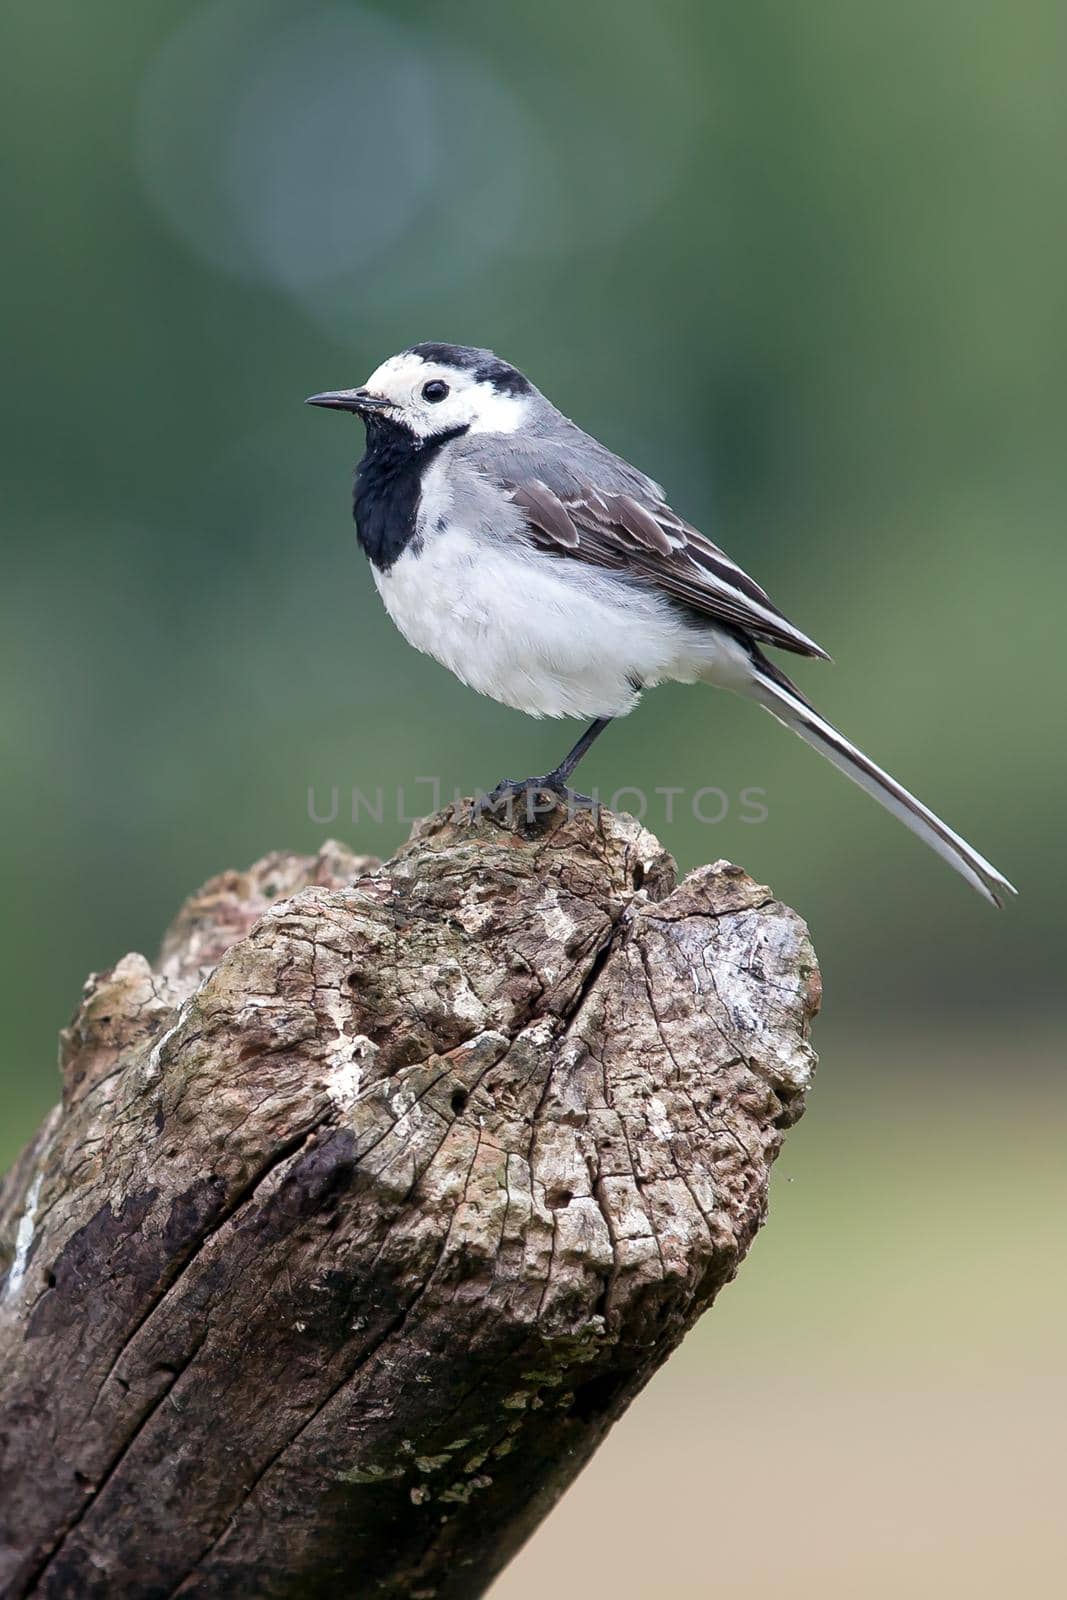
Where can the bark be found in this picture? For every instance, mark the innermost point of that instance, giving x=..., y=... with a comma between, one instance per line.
x=372, y=1205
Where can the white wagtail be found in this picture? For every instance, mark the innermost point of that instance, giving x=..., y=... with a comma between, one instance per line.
x=549, y=574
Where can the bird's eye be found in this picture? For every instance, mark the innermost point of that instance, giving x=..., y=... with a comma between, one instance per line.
x=434, y=390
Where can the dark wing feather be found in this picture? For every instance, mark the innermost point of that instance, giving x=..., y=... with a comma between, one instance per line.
x=545, y=513
x=645, y=537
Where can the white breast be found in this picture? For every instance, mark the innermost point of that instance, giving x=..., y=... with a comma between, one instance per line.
x=547, y=635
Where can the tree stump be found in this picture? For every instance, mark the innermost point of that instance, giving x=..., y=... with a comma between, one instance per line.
x=372, y=1205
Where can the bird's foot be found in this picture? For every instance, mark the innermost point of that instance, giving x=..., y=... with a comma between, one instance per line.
x=534, y=797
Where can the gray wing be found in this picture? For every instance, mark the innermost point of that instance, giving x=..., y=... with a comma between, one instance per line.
x=580, y=501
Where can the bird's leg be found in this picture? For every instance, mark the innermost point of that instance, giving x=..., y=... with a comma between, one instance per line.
x=554, y=782
x=557, y=780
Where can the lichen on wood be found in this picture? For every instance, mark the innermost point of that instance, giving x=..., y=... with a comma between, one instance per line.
x=372, y=1204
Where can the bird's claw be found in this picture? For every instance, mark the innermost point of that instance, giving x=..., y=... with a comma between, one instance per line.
x=537, y=796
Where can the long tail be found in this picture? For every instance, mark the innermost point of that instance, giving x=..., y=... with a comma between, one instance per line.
x=781, y=697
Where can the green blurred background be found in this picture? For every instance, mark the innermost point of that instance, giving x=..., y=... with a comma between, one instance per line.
x=807, y=265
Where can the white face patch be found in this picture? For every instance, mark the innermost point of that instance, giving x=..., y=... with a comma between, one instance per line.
x=475, y=405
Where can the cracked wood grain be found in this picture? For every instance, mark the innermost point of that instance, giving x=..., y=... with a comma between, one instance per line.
x=370, y=1207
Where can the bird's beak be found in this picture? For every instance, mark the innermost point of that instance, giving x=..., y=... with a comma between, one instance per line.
x=360, y=400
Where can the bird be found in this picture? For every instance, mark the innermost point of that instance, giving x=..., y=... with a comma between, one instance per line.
x=548, y=573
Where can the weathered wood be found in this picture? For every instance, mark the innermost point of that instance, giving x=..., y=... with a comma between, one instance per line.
x=372, y=1206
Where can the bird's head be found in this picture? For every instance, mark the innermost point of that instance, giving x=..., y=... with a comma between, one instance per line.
x=435, y=389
